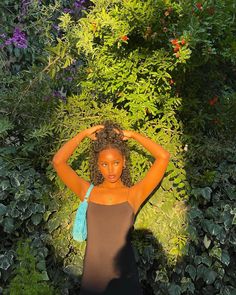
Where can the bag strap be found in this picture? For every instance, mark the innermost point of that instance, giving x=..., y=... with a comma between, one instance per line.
x=88, y=192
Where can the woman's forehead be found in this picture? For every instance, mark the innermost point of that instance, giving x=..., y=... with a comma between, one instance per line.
x=110, y=153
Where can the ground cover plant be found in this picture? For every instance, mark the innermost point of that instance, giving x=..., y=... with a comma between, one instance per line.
x=164, y=68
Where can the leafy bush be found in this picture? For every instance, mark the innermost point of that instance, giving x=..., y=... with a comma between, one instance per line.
x=164, y=68
x=27, y=280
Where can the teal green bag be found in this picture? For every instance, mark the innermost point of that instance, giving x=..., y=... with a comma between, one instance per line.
x=79, y=231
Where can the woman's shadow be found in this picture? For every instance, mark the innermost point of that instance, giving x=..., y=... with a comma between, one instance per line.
x=130, y=281
x=135, y=263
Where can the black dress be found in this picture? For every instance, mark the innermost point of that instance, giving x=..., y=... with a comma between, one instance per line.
x=109, y=263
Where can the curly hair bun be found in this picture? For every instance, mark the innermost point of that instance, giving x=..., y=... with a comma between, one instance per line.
x=111, y=133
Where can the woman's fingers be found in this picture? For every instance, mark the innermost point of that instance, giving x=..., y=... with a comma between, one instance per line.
x=92, y=131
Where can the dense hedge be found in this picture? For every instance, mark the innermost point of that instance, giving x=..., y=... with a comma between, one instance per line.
x=164, y=68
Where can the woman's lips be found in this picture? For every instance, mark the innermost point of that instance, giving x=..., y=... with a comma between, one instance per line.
x=111, y=176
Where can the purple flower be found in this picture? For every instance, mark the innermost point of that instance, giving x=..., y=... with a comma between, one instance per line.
x=67, y=10
x=79, y=4
x=60, y=94
x=18, y=39
x=56, y=27
x=3, y=36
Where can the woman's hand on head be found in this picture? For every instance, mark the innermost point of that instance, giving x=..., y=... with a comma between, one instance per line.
x=127, y=134
x=91, y=132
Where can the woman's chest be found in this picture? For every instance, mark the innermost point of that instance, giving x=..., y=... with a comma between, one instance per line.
x=109, y=197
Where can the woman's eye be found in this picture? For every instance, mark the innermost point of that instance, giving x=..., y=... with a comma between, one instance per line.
x=116, y=163
x=104, y=164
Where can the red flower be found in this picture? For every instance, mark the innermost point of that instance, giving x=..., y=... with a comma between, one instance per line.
x=177, y=48
x=124, y=38
x=199, y=5
x=213, y=101
x=174, y=41
x=172, y=82
x=183, y=41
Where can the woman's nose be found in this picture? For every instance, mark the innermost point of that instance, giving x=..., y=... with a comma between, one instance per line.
x=110, y=169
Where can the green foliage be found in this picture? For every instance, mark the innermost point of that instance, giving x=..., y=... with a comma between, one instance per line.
x=28, y=280
x=23, y=193
x=163, y=68
x=129, y=63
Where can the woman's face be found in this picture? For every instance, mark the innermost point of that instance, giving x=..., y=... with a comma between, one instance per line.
x=111, y=163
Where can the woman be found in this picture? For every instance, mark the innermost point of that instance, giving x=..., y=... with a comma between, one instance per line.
x=109, y=263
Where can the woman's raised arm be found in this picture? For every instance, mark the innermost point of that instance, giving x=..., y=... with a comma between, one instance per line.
x=142, y=189
x=72, y=180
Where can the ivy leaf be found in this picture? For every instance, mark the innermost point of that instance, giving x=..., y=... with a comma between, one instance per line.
x=5, y=184
x=204, y=192
x=194, y=213
x=15, y=182
x=210, y=277
x=174, y=289
x=4, y=262
x=202, y=270
x=234, y=220
x=216, y=252
x=191, y=270
x=53, y=224
x=8, y=224
x=36, y=218
x=225, y=258
x=211, y=227
x=206, y=242
x=44, y=276
x=3, y=209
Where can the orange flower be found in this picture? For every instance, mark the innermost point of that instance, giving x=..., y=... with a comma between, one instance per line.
x=124, y=38
x=183, y=41
x=213, y=101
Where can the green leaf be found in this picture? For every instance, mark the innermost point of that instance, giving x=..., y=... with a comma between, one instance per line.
x=174, y=289
x=234, y=220
x=3, y=209
x=206, y=193
x=5, y=184
x=191, y=270
x=53, y=224
x=216, y=252
x=36, y=218
x=201, y=271
x=15, y=181
x=206, y=242
x=225, y=258
x=44, y=276
x=4, y=262
x=210, y=277
x=211, y=227
x=8, y=224
x=195, y=213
